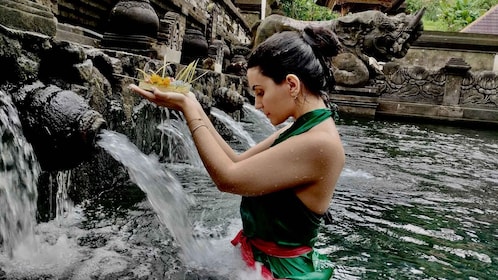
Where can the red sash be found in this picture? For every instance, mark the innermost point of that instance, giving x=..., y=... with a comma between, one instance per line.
x=267, y=247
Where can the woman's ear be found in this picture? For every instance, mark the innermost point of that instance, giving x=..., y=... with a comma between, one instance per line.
x=294, y=84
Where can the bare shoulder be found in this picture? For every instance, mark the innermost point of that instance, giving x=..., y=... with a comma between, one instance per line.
x=324, y=142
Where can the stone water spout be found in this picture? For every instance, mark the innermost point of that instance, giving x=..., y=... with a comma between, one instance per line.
x=59, y=124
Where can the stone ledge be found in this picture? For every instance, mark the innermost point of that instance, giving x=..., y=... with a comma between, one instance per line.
x=457, y=40
x=455, y=114
x=66, y=32
x=355, y=105
x=27, y=16
x=362, y=91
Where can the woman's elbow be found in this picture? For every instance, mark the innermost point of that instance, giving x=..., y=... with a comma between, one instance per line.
x=224, y=185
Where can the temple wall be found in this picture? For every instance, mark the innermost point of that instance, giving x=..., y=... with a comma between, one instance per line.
x=94, y=14
x=434, y=59
x=434, y=48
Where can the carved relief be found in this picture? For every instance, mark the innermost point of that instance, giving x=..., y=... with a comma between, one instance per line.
x=480, y=89
x=414, y=84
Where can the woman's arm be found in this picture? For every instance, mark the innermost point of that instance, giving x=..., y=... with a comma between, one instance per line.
x=204, y=118
x=302, y=160
x=261, y=146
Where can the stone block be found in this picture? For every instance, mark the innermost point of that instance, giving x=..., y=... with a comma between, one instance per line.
x=450, y=112
x=27, y=16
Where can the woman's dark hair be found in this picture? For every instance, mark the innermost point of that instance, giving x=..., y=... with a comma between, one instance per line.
x=300, y=53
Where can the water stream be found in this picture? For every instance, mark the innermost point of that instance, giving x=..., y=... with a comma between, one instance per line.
x=18, y=176
x=414, y=202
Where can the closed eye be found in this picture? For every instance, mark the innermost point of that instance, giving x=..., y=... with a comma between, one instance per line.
x=257, y=90
x=259, y=93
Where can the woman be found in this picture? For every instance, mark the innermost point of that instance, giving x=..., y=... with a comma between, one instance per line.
x=287, y=180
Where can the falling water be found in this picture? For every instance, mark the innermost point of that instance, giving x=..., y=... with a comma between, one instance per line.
x=181, y=146
x=19, y=172
x=64, y=205
x=236, y=127
x=172, y=204
x=256, y=123
x=163, y=190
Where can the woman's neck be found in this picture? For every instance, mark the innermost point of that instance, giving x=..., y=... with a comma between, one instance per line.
x=307, y=104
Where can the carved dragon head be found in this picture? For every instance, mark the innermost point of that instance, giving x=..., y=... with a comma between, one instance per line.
x=377, y=35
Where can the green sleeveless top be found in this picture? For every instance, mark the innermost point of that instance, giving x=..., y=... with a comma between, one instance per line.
x=281, y=217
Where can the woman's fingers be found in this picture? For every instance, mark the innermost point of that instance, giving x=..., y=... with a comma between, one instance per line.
x=171, y=100
x=145, y=93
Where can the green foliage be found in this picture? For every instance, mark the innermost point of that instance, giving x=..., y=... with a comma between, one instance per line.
x=431, y=12
x=306, y=10
x=450, y=15
x=445, y=15
x=460, y=13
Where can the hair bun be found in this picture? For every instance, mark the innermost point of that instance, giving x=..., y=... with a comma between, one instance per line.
x=322, y=40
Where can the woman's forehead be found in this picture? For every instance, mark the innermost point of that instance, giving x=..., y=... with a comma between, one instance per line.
x=254, y=76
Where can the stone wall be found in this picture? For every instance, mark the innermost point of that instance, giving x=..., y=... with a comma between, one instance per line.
x=433, y=50
x=434, y=59
x=94, y=14
x=101, y=78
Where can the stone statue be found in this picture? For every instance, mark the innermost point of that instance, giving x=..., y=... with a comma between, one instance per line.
x=367, y=37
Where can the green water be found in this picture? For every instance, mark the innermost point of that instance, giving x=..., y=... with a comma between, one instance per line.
x=415, y=202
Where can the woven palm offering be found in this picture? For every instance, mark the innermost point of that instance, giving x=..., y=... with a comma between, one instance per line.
x=181, y=83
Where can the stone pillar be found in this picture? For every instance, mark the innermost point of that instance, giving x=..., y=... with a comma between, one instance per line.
x=455, y=69
x=194, y=46
x=29, y=16
x=212, y=24
x=495, y=64
x=170, y=36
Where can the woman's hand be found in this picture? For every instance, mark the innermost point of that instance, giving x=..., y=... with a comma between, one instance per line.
x=172, y=100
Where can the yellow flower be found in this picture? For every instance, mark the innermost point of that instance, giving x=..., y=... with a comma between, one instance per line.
x=155, y=79
x=165, y=81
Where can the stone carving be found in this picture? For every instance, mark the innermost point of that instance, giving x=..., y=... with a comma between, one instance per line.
x=60, y=124
x=480, y=89
x=171, y=30
x=419, y=85
x=367, y=37
x=195, y=46
x=238, y=63
x=218, y=56
x=228, y=100
x=414, y=84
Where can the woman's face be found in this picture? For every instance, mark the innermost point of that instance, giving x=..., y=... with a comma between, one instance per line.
x=271, y=98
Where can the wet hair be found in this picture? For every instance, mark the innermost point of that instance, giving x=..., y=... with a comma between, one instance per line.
x=303, y=54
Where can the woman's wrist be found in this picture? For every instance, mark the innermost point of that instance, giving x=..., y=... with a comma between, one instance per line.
x=189, y=106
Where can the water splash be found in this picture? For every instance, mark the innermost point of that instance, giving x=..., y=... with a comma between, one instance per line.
x=163, y=190
x=19, y=173
x=256, y=123
x=181, y=146
x=235, y=126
